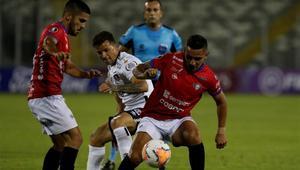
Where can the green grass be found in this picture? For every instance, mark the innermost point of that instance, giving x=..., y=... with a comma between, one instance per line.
x=263, y=132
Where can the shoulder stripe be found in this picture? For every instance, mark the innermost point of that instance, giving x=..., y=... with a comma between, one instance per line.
x=168, y=27
x=139, y=25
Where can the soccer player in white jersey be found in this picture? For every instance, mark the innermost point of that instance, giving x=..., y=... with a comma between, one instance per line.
x=131, y=95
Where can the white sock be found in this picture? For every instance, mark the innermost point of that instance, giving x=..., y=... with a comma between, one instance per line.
x=96, y=154
x=124, y=140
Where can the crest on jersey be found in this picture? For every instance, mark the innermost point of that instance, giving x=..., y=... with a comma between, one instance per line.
x=196, y=86
x=53, y=29
x=130, y=66
x=141, y=47
x=162, y=48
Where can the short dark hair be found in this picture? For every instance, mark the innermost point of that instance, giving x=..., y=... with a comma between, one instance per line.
x=160, y=4
x=76, y=6
x=197, y=42
x=102, y=37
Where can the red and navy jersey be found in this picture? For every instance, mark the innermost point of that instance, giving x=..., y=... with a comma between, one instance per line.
x=178, y=91
x=47, y=72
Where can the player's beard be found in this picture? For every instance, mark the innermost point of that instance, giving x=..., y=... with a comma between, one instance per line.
x=72, y=29
x=191, y=68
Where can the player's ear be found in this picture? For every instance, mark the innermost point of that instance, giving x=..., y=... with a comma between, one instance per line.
x=206, y=53
x=68, y=16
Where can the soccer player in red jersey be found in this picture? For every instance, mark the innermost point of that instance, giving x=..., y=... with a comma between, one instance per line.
x=52, y=58
x=184, y=78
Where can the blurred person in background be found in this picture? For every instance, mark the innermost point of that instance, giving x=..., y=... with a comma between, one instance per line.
x=147, y=41
x=185, y=77
x=51, y=60
x=151, y=39
x=130, y=94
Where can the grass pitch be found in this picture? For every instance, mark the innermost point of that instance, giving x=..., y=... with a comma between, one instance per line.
x=263, y=132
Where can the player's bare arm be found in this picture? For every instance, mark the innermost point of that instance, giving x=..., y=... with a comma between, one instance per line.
x=73, y=70
x=120, y=104
x=221, y=103
x=144, y=71
x=49, y=46
x=136, y=86
x=104, y=88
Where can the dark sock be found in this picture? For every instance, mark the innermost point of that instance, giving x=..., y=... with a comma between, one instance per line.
x=68, y=158
x=51, y=161
x=126, y=164
x=197, y=157
x=162, y=168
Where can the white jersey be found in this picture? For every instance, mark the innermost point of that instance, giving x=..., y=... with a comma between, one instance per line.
x=120, y=74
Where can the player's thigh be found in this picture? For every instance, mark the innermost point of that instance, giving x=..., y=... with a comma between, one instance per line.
x=101, y=135
x=123, y=119
x=73, y=137
x=136, y=148
x=58, y=142
x=187, y=134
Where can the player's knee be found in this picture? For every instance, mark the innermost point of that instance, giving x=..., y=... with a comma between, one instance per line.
x=115, y=123
x=95, y=140
x=77, y=140
x=191, y=137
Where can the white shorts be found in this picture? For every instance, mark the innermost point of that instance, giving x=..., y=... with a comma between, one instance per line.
x=161, y=129
x=53, y=113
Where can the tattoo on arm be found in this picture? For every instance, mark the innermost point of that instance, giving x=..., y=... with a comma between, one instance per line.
x=130, y=88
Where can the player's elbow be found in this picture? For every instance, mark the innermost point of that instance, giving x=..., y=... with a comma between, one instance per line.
x=144, y=86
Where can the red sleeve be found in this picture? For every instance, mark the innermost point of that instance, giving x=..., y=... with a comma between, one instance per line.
x=161, y=62
x=60, y=36
x=214, y=87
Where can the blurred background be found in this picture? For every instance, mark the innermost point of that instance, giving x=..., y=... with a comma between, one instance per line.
x=254, y=45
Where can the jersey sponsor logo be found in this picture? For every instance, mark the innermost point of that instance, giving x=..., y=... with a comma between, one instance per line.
x=41, y=67
x=162, y=48
x=176, y=63
x=177, y=59
x=167, y=95
x=170, y=106
x=130, y=66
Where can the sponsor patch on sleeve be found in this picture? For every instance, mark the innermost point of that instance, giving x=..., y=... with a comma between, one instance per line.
x=131, y=66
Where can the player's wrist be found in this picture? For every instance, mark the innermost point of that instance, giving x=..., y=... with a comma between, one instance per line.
x=221, y=130
x=87, y=74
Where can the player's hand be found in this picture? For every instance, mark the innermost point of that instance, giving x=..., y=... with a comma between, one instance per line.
x=151, y=72
x=220, y=140
x=93, y=73
x=104, y=88
x=62, y=55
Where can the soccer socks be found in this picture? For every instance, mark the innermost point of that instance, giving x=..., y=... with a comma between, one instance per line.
x=124, y=140
x=96, y=154
x=126, y=164
x=197, y=157
x=51, y=160
x=113, y=152
x=68, y=158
